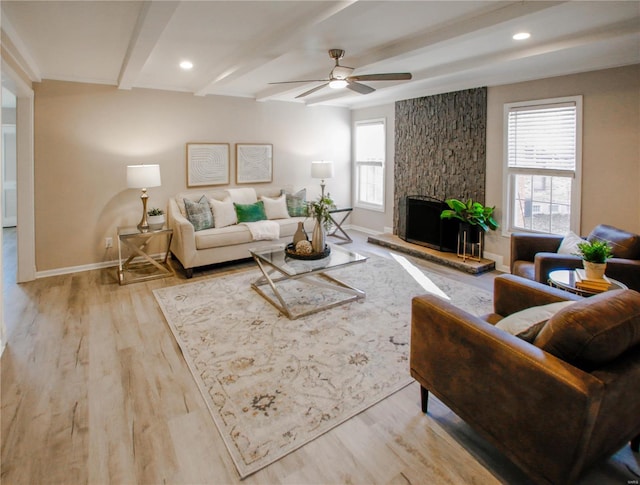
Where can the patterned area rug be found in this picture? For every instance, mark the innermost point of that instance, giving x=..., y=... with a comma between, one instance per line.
x=273, y=384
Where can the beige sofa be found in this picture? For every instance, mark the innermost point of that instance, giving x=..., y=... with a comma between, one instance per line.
x=209, y=246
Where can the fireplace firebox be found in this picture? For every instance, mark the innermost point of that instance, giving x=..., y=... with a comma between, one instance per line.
x=423, y=225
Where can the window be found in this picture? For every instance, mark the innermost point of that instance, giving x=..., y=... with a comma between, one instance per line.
x=543, y=165
x=370, y=149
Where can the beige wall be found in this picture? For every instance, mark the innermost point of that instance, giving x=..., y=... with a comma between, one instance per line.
x=369, y=219
x=86, y=135
x=610, y=145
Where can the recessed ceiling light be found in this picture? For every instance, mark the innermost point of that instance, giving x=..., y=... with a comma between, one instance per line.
x=186, y=65
x=522, y=36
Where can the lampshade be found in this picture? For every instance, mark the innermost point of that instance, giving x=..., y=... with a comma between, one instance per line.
x=143, y=176
x=322, y=170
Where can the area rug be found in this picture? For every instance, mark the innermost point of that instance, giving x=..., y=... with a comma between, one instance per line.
x=273, y=384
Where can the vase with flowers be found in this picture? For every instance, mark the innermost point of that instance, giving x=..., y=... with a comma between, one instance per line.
x=319, y=210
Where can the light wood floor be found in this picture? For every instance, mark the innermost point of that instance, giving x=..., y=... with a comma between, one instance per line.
x=95, y=390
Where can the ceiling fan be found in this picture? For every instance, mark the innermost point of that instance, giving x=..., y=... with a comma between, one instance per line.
x=340, y=77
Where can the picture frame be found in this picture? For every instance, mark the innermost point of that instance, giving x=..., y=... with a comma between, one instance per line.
x=254, y=163
x=207, y=164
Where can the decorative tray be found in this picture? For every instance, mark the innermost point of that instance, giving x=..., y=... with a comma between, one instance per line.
x=290, y=251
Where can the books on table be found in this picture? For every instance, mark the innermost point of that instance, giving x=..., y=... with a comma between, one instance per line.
x=589, y=284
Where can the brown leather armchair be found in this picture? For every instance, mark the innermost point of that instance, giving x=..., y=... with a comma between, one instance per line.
x=550, y=417
x=534, y=256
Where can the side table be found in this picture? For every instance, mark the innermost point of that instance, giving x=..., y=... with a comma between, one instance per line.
x=565, y=280
x=338, y=225
x=148, y=267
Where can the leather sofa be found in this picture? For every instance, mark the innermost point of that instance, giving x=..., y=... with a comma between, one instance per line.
x=553, y=417
x=534, y=256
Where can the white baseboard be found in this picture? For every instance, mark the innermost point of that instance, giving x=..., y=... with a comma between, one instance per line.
x=87, y=267
x=366, y=230
x=499, y=260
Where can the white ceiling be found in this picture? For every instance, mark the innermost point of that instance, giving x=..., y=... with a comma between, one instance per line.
x=238, y=47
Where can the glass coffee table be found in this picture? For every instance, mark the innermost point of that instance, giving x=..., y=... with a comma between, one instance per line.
x=565, y=279
x=276, y=267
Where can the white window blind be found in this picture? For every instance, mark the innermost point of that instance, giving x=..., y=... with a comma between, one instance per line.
x=542, y=137
x=370, y=148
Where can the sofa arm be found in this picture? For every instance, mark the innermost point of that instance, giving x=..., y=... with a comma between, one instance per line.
x=183, y=244
x=536, y=408
x=512, y=294
x=546, y=262
x=625, y=270
x=524, y=246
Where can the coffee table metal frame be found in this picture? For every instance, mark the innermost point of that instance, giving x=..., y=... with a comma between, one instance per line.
x=565, y=279
x=273, y=261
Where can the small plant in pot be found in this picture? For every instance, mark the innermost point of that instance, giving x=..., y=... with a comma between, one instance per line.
x=319, y=210
x=594, y=256
x=155, y=218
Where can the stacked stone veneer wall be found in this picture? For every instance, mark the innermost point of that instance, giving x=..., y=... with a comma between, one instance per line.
x=440, y=148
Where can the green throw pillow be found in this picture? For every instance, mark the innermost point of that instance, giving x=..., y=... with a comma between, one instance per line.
x=250, y=212
x=199, y=213
x=297, y=204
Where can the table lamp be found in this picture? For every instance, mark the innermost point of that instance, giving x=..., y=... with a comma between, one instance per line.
x=322, y=170
x=143, y=177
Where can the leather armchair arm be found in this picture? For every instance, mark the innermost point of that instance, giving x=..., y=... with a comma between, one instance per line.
x=546, y=262
x=524, y=246
x=534, y=407
x=625, y=270
x=512, y=294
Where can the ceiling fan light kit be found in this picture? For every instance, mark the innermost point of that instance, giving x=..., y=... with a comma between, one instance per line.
x=340, y=77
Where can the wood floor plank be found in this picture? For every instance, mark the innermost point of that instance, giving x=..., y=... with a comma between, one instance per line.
x=96, y=390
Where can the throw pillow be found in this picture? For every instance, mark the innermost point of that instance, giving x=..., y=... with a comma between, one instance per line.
x=199, y=213
x=569, y=244
x=526, y=324
x=246, y=195
x=297, y=204
x=593, y=331
x=224, y=213
x=275, y=208
x=250, y=212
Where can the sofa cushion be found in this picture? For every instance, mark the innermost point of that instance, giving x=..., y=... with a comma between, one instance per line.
x=199, y=213
x=297, y=203
x=569, y=244
x=240, y=234
x=244, y=195
x=275, y=208
x=250, y=212
x=593, y=331
x=623, y=244
x=526, y=324
x=224, y=214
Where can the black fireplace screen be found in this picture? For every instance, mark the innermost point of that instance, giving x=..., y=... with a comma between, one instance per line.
x=424, y=226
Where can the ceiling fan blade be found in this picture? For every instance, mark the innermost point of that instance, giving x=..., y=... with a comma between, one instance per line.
x=392, y=76
x=307, y=93
x=360, y=88
x=302, y=81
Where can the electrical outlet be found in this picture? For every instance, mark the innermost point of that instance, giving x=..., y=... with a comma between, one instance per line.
x=108, y=242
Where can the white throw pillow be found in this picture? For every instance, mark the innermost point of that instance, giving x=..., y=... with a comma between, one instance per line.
x=275, y=208
x=246, y=195
x=224, y=213
x=569, y=244
x=527, y=323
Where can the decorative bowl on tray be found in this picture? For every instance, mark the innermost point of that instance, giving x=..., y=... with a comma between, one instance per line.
x=290, y=251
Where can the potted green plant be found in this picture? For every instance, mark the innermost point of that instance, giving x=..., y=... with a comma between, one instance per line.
x=475, y=219
x=319, y=210
x=594, y=256
x=155, y=218
x=470, y=212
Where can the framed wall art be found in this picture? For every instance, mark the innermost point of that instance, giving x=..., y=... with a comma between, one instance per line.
x=254, y=163
x=207, y=164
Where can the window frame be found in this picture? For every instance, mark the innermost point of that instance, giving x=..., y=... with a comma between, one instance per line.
x=507, y=172
x=357, y=164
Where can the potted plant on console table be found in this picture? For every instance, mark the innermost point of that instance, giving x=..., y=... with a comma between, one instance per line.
x=475, y=219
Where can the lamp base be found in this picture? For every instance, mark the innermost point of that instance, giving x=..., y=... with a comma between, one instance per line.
x=143, y=225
